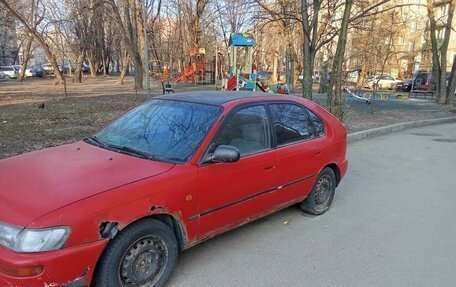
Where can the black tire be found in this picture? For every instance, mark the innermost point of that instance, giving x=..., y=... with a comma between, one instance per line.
x=142, y=255
x=322, y=194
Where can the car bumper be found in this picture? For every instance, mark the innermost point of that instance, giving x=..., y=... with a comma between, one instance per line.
x=69, y=267
x=343, y=166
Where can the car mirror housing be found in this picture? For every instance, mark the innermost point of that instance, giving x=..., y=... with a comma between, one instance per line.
x=225, y=153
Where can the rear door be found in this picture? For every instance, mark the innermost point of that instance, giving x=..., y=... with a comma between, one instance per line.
x=230, y=193
x=299, y=149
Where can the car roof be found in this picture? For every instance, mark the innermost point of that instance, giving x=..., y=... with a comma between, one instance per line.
x=214, y=97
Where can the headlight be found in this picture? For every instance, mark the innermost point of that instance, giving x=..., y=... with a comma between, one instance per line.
x=33, y=240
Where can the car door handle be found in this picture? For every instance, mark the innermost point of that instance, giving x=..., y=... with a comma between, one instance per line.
x=269, y=167
x=318, y=152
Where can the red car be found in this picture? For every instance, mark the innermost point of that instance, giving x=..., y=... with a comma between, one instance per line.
x=117, y=208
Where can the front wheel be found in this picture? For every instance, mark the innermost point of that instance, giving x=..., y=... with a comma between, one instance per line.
x=322, y=194
x=142, y=255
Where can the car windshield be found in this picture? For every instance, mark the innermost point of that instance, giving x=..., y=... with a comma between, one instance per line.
x=162, y=130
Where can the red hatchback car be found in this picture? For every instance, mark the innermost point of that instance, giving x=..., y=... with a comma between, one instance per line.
x=116, y=209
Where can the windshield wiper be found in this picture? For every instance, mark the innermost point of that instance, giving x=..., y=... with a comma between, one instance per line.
x=131, y=151
x=125, y=149
x=95, y=141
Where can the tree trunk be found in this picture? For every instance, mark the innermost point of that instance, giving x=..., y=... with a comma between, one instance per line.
x=307, y=52
x=439, y=54
x=275, y=66
x=77, y=75
x=25, y=59
x=140, y=36
x=335, y=82
x=124, y=70
x=451, y=88
x=92, y=65
x=443, y=54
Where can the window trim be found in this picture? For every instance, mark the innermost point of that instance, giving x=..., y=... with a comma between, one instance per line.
x=268, y=103
x=224, y=122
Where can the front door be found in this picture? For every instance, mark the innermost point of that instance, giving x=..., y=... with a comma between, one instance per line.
x=230, y=193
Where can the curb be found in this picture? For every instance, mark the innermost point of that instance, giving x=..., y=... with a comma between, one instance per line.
x=361, y=135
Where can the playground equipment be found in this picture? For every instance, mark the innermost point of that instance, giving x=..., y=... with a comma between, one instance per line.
x=366, y=97
x=245, y=77
x=197, y=71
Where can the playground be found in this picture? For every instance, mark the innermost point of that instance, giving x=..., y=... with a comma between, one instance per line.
x=233, y=71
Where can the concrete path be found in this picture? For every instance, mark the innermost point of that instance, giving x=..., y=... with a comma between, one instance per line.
x=392, y=223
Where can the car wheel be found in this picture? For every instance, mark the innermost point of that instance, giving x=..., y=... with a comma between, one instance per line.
x=322, y=194
x=142, y=255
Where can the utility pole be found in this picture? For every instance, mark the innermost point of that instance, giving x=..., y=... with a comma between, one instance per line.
x=216, y=64
x=146, y=48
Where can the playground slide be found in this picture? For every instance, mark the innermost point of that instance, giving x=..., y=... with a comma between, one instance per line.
x=231, y=86
x=188, y=71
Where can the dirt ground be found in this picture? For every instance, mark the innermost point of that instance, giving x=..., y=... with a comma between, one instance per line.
x=36, y=114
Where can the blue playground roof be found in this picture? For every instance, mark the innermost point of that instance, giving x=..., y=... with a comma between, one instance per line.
x=241, y=39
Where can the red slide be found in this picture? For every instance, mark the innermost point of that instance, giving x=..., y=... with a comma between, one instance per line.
x=187, y=72
x=231, y=86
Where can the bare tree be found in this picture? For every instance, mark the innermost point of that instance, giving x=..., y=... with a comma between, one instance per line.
x=335, y=83
x=39, y=37
x=439, y=52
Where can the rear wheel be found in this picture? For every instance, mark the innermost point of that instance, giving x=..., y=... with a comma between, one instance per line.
x=142, y=255
x=322, y=194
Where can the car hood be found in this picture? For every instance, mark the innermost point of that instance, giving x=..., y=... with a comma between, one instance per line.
x=36, y=183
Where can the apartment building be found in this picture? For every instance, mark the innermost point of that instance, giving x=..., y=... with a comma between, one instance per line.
x=8, y=39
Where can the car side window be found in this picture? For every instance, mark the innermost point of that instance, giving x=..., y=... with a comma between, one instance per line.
x=248, y=130
x=290, y=123
x=318, y=126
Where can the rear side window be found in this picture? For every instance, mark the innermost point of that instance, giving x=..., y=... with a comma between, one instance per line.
x=318, y=126
x=291, y=123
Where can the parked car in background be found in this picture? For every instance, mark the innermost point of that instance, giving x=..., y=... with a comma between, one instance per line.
x=85, y=68
x=67, y=67
x=2, y=75
x=171, y=173
x=9, y=72
x=424, y=81
x=28, y=71
x=49, y=69
x=38, y=71
x=405, y=85
x=381, y=82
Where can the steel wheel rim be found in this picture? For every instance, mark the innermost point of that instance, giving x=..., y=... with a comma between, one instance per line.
x=143, y=262
x=323, y=190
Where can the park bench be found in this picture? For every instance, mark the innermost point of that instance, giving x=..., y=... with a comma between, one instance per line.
x=425, y=93
x=168, y=89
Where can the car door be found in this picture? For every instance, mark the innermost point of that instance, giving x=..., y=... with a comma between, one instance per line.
x=230, y=193
x=299, y=149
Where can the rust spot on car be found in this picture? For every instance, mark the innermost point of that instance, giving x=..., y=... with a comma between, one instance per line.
x=80, y=281
x=109, y=229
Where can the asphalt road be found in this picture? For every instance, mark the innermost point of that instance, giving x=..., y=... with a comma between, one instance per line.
x=392, y=223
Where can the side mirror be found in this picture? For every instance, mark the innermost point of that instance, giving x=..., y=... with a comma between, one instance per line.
x=225, y=153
